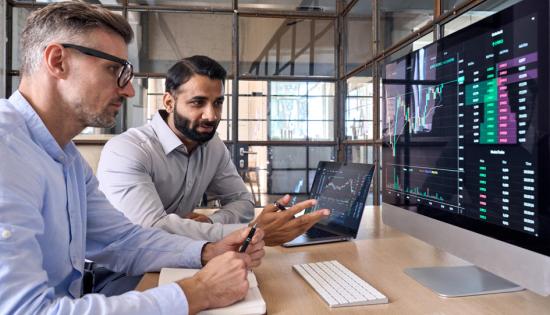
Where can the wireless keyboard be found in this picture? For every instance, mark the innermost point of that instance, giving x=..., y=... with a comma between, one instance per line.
x=337, y=285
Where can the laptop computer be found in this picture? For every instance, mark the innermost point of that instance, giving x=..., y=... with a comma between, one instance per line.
x=343, y=188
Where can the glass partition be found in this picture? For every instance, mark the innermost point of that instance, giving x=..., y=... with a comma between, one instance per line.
x=188, y=4
x=286, y=46
x=162, y=38
x=398, y=19
x=358, y=35
x=358, y=110
x=290, y=5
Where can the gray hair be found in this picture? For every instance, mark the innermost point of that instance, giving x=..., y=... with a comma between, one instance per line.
x=66, y=21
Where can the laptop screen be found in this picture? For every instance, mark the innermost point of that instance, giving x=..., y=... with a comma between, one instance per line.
x=343, y=188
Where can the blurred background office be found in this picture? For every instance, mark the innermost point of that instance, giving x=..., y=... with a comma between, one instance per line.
x=304, y=75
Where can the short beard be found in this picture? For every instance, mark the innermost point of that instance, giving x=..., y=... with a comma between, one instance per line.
x=184, y=126
x=97, y=120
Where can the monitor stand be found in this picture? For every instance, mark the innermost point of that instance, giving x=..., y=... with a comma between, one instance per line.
x=461, y=281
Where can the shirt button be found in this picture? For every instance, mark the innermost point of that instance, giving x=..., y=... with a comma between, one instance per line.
x=6, y=234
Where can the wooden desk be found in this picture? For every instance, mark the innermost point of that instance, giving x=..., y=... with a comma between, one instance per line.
x=379, y=256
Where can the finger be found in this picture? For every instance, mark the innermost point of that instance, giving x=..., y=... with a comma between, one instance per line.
x=301, y=206
x=255, y=247
x=258, y=236
x=256, y=258
x=305, y=221
x=246, y=259
x=244, y=233
x=190, y=215
x=284, y=200
x=312, y=218
x=201, y=218
x=274, y=207
x=237, y=237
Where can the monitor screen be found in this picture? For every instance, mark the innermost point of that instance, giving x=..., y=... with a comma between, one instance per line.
x=466, y=126
x=342, y=188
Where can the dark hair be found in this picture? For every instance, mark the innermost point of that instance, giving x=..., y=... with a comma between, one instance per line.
x=66, y=21
x=184, y=69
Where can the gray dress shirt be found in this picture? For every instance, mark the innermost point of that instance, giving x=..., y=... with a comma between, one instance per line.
x=148, y=174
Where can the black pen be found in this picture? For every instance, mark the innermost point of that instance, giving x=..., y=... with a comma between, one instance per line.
x=279, y=206
x=248, y=239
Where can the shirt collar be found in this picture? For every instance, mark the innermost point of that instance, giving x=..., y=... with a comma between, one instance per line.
x=40, y=134
x=166, y=136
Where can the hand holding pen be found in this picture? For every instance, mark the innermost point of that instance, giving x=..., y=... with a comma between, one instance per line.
x=252, y=252
x=248, y=239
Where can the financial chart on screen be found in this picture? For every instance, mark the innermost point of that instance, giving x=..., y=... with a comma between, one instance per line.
x=342, y=188
x=463, y=120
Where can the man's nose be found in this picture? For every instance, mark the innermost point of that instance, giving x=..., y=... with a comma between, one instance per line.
x=210, y=113
x=128, y=90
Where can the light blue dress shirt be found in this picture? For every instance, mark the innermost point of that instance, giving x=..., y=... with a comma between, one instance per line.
x=52, y=217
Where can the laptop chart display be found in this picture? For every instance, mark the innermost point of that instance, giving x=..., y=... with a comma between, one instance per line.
x=342, y=188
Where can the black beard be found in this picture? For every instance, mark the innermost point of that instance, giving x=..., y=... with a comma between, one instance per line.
x=184, y=126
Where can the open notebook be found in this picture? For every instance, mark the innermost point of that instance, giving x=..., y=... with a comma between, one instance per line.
x=252, y=304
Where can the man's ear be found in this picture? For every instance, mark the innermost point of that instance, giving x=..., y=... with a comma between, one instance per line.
x=169, y=102
x=55, y=59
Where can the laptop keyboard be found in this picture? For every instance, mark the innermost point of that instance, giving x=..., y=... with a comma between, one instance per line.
x=318, y=233
x=337, y=285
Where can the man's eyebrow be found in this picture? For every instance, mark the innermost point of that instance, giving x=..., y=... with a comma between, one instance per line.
x=204, y=98
x=198, y=98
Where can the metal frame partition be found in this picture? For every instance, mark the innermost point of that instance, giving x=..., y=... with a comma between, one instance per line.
x=340, y=77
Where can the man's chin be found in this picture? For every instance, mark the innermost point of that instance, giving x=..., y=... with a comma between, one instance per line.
x=103, y=122
x=204, y=137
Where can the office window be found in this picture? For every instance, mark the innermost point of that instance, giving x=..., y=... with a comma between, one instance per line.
x=292, y=168
x=398, y=19
x=289, y=46
x=289, y=5
x=191, y=4
x=19, y=16
x=359, y=107
x=276, y=170
x=253, y=97
x=301, y=111
x=162, y=38
x=358, y=35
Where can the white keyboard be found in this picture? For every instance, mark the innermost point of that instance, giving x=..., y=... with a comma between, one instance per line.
x=338, y=286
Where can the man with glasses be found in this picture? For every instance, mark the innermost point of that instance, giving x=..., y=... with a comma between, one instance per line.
x=168, y=165
x=126, y=72
x=52, y=215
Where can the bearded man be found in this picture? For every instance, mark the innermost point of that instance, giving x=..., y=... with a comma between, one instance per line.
x=156, y=174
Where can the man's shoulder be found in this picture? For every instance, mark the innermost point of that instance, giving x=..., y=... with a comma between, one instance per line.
x=134, y=137
x=10, y=119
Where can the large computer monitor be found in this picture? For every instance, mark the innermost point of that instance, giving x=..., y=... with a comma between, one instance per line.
x=466, y=156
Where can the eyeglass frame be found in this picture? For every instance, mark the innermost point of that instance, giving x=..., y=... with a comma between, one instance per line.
x=99, y=54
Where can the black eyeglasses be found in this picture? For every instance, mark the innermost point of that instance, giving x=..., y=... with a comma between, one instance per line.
x=126, y=73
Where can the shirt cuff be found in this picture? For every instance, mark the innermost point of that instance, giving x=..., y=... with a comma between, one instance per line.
x=191, y=256
x=170, y=298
